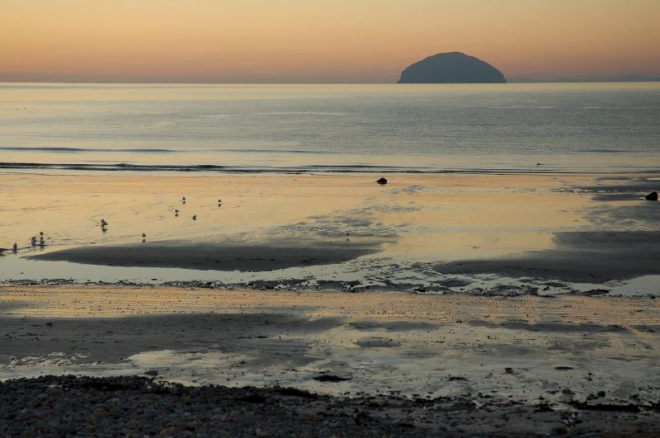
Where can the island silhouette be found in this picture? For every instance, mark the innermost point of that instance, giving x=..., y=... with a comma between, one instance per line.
x=451, y=68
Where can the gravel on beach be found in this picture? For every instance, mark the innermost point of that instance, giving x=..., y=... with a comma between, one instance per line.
x=138, y=406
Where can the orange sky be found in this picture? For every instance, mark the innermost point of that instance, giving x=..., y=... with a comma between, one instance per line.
x=320, y=40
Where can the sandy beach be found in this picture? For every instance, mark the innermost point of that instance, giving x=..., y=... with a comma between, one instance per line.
x=578, y=357
x=436, y=304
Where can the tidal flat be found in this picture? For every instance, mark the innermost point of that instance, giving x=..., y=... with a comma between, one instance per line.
x=448, y=303
x=412, y=364
x=540, y=233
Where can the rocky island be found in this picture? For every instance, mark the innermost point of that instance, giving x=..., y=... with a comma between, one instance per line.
x=451, y=68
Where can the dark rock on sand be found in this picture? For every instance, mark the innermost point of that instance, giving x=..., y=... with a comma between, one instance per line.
x=451, y=68
x=377, y=342
x=606, y=407
x=653, y=196
x=382, y=181
x=330, y=378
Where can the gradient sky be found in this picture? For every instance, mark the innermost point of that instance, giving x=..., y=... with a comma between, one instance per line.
x=320, y=41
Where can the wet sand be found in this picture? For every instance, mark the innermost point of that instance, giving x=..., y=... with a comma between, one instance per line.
x=504, y=305
x=597, y=256
x=382, y=341
x=572, y=355
x=419, y=232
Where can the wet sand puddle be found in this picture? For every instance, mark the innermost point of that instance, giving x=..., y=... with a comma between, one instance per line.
x=389, y=343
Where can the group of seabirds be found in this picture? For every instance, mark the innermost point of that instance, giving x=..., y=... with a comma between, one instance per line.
x=104, y=223
x=104, y=228
x=33, y=242
x=653, y=196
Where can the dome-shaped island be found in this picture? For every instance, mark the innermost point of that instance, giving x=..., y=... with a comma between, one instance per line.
x=451, y=68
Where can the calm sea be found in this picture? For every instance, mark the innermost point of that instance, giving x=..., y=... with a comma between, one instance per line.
x=338, y=128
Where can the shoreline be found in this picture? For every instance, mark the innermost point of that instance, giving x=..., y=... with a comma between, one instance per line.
x=336, y=170
x=480, y=286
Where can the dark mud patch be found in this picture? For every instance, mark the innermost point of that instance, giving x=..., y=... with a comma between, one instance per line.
x=636, y=215
x=628, y=189
x=112, y=340
x=377, y=342
x=392, y=326
x=552, y=327
x=588, y=257
x=217, y=256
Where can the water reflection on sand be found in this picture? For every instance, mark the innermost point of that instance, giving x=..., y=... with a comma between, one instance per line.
x=419, y=232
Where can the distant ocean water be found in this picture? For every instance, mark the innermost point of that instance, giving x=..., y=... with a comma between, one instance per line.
x=335, y=128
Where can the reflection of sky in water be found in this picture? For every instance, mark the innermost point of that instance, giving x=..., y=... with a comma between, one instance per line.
x=608, y=127
x=367, y=271
x=17, y=268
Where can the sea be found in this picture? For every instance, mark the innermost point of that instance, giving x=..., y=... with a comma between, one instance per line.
x=436, y=128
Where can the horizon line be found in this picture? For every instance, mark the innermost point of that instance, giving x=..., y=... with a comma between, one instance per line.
x=509, y=81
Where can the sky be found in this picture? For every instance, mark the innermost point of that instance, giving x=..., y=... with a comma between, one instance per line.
x=345, y=41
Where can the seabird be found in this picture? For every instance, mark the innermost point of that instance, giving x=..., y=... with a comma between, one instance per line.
x=194, y=217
